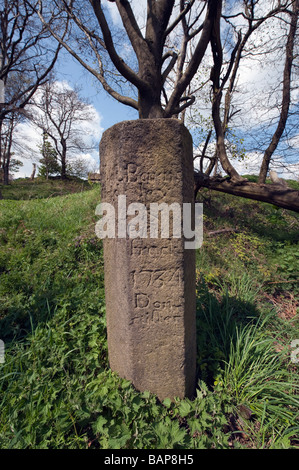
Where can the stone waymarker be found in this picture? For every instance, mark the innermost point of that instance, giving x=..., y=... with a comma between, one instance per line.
x=149, y=282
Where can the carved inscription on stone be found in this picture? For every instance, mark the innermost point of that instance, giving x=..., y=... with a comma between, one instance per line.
x=156, y=278
x=147, y=311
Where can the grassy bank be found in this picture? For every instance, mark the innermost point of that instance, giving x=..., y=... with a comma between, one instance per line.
x=39, y=188
x=56, y=387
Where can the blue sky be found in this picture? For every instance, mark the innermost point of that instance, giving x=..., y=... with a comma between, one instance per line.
x=109, y=109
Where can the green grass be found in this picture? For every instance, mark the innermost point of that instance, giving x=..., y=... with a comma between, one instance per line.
x=56, y=388
x=24, y=188
x=41, y=260
x=238, y=356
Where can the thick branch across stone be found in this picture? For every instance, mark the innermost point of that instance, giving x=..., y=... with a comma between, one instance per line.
x=276, y=194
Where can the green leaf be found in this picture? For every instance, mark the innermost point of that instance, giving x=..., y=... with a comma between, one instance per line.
x=184, y=409
x=126, y=384
x=100, y=424
x=119, y=435
x=136, y=404
x=167, y=402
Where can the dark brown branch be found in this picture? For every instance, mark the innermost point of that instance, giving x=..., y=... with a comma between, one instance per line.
x=217, y=96
x=182, y=14
x=189, y=100
x=130, y=24
x=25, y=96
x=164, y=10
x=82, y=26
x=100, y=76
x=120, y=65
x=171, y=64
x=286, y=198
x=203, y=153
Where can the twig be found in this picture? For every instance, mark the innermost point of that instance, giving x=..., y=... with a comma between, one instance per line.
x=224, y=230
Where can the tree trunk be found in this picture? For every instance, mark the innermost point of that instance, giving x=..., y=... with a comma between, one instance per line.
x=149, y=107
x=220, y=130
x=63, y=170
x=276, y=194
x=63, y=159
x=149, y=98
x=6, y=174
x=33, y=172
x=1, y=181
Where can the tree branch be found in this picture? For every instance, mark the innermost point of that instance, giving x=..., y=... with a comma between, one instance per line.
x=196, y=59
x=130, y=25
x=121, y=98
x=182, y=14
x=273, y=194
x=217, y=95
x=189, y=100
x=171, y=64
x=164, y=11
x=120, y=65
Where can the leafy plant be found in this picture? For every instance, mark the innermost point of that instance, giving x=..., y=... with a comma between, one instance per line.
x=287, y=260
x=57, y=390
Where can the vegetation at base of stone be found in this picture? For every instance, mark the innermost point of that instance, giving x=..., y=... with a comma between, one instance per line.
x=56, y=387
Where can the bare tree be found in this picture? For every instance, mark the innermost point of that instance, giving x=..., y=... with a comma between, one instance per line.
x=286, y=92
x=7, y=127
x=27, y=56
x=61, y=114
x=154, y=59
x=159, y=60
x=224, y=77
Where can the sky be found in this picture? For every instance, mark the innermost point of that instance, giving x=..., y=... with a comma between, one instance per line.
x=109, y=109
x=109, y=112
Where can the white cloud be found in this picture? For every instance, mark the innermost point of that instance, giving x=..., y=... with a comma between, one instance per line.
x=138, y=6
x=251, y=163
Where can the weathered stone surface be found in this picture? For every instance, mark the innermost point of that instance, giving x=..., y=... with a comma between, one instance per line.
x=150, y=283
